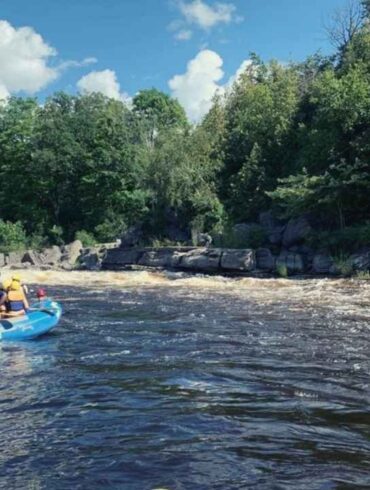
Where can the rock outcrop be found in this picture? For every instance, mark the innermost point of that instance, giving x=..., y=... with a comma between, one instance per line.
x=265, y=260
x=360, y=261
x=322, y=264
x=238, y=260
x=291, y=262
x=296, y=231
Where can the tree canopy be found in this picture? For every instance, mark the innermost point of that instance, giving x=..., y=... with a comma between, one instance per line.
x=294, y=138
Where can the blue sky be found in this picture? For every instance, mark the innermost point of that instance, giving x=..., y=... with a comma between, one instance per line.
x=136, y=40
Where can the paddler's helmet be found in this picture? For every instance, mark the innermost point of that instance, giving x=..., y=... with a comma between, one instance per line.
x=16, y=277
x=15, y=285
x=41, y=293
x=6, y=284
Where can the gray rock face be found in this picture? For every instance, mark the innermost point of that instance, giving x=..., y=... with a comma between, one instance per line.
x=90, y=261
x=91, y=258
x=117, y=258
x=296, y=231
x=2, y=260
x=31, y=257
x=51, y=256
x=265, y=260
x=13, y=258
x=157, y=258
x=132, y=236
x=273, y=228
x=293, y=262
x=360, y=261
x=203, y=239
x=202, y=259
x=322, y=264
x=72, y=252
x=238, y=260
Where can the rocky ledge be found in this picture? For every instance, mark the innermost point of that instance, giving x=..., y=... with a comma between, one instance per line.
x=67, y=257
x=237, y=261
x=259, y=262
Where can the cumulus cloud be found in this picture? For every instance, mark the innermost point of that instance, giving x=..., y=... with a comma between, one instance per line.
x=207, y=16
x=200, y=14
x=196, y=88
x=245, y=66
x=24, y=61
x=24, y=57
x=104, y=82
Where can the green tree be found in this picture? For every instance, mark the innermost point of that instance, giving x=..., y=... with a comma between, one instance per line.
x=18, y=179
x=158, y=111
x=260, y=115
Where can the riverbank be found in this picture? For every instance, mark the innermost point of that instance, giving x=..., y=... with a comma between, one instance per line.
x=262, y=262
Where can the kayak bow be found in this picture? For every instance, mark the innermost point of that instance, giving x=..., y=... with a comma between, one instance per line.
x=38, y=321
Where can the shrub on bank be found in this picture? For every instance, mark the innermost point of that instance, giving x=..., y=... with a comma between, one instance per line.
x=87, y=239
x=342, y=242
x=252, y=237
x=12, y=236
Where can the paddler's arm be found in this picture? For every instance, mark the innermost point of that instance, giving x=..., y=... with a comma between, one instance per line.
x=25, y=302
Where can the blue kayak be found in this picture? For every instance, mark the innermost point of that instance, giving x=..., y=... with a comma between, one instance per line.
x=40, y=319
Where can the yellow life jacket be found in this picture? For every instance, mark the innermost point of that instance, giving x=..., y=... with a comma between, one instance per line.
x=15, y=300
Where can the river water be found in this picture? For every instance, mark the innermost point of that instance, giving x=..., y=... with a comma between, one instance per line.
x=187, y=382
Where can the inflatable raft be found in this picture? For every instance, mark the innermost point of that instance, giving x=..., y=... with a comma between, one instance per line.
x=40, y=319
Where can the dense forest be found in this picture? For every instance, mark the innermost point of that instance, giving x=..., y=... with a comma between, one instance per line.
x=292, y=138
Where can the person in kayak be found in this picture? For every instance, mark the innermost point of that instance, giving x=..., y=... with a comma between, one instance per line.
x=41, y=296
x=16, y=300
x=3, y=295
x=17, y=277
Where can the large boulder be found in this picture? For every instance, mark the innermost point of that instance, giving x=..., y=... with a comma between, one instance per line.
x=322, y=264
x=51, y=256
x=71, y=252
x=291, y=262
x=274, y=229
x=360, y=261
x=13, y=258
x=265, y=260
x=202, y=259
x=157, y=258
x=32, y=257
x=238, y=260
x=90, y=261
x=296, y=231
x=117, y=258
x=2, y=260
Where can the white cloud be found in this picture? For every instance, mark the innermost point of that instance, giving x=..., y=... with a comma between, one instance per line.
x=65, y=65
x=246, y=65
x=104, y=82
x=24, y=57
x=207, y=16
x=184, y=35
x=4, y=94
x=196, y=88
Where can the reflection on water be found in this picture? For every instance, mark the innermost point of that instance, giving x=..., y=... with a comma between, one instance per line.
x=189, y=382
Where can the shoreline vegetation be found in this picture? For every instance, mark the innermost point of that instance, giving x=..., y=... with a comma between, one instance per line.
x=280, y=164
